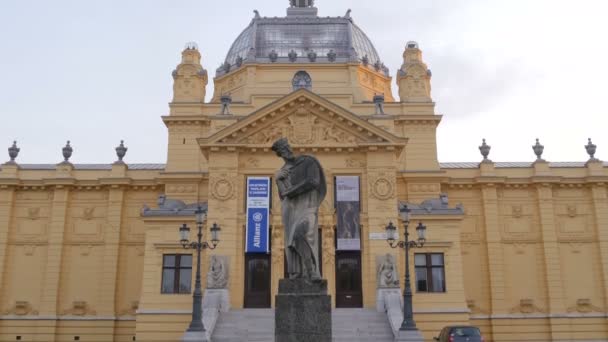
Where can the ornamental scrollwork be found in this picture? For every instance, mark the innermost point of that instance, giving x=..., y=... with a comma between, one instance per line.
x=79, y=308
x=21, y=308
x=223, y=187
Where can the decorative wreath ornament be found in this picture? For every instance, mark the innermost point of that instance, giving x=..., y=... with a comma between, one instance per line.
x=222, y=188
x=382, y=188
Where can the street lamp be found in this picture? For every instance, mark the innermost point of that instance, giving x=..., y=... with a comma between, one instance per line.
x=184, y=232
x=393, y=241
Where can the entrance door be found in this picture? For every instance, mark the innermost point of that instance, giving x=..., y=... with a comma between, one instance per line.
x=348, y=280
x=257, y=280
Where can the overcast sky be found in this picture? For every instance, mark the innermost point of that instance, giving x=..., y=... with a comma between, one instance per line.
x=95, y=72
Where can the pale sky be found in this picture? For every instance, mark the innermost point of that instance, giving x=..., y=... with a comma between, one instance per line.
x=96, y=72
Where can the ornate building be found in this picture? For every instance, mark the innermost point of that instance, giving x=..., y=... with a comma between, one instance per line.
x=92, y=251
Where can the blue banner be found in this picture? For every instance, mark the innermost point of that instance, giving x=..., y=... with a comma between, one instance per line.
x=258, y=211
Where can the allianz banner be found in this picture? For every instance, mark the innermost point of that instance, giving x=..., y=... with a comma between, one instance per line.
x=258, y=210
x=348, y=208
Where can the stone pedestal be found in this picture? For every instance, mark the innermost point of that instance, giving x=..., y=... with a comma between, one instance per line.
x=195, y=336
x=385, y=294
x=303, y=311
x=217, y=299
x=409, y=336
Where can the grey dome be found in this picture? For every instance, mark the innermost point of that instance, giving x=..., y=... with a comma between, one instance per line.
x=269, y=40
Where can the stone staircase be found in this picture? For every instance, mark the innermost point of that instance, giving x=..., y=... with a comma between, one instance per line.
x=257, y=325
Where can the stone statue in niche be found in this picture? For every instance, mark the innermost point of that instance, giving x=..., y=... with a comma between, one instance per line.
x=217, y=277
x=302, y=80
x=302, y=188
x=387, y=275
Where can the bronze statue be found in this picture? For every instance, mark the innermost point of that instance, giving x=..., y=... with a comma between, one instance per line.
x=302, y=188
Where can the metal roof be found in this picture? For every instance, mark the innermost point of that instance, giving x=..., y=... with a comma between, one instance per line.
x=302, y=35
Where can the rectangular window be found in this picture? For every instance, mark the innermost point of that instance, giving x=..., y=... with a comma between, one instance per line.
x=430, y=272
x=177, y=273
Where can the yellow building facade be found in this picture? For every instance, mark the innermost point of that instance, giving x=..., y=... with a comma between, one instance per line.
x=524, y=245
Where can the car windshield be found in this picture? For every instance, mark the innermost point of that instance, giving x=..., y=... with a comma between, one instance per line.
x=465, y=331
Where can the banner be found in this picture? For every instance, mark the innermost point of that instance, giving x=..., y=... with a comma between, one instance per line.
x=347, y=209
x=258, y=210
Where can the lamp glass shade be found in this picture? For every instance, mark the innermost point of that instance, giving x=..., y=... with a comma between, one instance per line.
x=391, y=232
x=421, y=230
x=200, y=216
x=405, y=215
x=184, y=233
x=215, y=234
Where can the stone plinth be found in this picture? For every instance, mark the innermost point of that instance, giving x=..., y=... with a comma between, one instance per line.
x=303, y=311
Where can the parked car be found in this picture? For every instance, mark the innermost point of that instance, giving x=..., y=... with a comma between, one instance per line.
x=461, y=333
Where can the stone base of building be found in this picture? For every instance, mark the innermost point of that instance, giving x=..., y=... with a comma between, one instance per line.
x=303, y=311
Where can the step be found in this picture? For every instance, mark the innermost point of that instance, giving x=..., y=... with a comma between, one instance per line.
x=257, y=325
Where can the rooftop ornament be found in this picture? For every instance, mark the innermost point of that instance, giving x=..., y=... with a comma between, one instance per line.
x=331, y=55
x=538, y=150
x=226, y=100
x=67, y=152
x=312, y=56
x=293, y=56
x=591, y=149
x=121, y=151
x=379, y=104
x=273, y=55
x=191, y=46
x=13, y=152
x=365, y=60
x=485, y=151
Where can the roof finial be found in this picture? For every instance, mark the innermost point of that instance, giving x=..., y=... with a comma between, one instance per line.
x=302, y=3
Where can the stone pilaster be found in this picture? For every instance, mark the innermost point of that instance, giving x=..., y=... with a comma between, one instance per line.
x=496, y=263
x=381, y=198
x=551, y=250
x=600, y=206
x=107, y=290
x=226, y=189
x=7, y=200
x=52, y=271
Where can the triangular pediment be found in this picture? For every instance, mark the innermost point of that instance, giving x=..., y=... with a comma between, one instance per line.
x=308, y=121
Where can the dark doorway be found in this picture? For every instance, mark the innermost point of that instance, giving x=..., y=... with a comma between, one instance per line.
x=257, y=280
x=348, y=280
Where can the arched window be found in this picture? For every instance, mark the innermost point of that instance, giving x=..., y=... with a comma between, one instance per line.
x=302, y=80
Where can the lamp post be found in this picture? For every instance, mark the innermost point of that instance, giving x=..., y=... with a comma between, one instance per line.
x=184, y=232
x=392, y=239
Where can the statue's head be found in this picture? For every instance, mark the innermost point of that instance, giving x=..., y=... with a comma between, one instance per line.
x=282, y=149
x=390, y=258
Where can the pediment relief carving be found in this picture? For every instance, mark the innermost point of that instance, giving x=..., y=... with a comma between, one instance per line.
x=307, y=120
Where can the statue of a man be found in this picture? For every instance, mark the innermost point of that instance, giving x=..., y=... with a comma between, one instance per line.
x=302, y=188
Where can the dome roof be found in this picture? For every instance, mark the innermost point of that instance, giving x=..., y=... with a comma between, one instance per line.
x=302, y=39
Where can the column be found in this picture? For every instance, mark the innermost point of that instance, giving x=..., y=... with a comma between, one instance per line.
x=7, y=200
x=600, y=205
x=495, y=252
x=551, y=255
x=225, y=189
x=107, y=290
x=52, y=271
